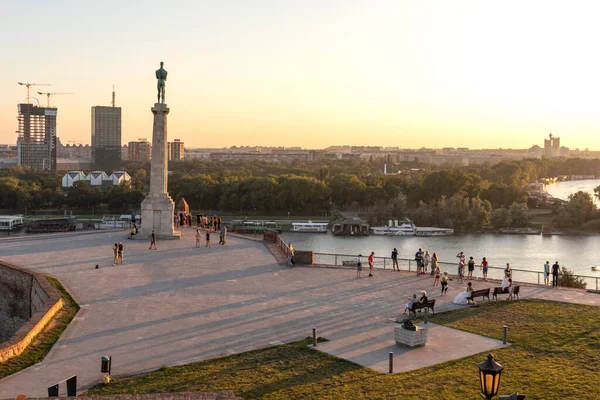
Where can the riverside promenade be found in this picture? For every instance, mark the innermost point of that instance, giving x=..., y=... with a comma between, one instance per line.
x=181, y=304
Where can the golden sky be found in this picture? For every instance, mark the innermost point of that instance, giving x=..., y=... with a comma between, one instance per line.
x=476, y=74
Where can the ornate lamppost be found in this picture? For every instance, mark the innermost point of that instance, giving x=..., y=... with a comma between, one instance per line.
x=489, y=377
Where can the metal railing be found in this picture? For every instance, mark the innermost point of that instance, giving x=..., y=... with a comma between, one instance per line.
x=406, y=264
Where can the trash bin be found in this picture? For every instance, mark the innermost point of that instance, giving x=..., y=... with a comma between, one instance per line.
x=105, y=364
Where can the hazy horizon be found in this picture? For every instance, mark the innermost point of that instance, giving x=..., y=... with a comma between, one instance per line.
x=314, y=74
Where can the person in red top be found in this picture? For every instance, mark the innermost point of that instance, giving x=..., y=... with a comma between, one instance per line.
x=484, y=266
x=371, y=263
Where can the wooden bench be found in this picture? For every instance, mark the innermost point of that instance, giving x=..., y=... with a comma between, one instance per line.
x=481, y=293
x=419, y=306
x=498, y=290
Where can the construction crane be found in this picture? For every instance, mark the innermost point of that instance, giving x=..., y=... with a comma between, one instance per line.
x=28, y=85
x=52, y=94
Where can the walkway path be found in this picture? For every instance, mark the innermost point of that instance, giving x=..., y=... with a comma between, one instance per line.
x=181, y=304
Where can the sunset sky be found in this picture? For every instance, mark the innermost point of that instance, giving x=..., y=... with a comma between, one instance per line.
x=478, y=74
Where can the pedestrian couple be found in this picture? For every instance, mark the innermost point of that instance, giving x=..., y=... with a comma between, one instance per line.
x=370, y=259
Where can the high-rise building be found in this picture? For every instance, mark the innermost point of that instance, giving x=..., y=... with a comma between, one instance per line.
x=176, y=150
x=140, y=150
x=106, y=136
x=36, y=143
x=552, y=146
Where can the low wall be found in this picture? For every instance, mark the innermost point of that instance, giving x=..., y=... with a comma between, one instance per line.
x=30, y=298
x=221, y=395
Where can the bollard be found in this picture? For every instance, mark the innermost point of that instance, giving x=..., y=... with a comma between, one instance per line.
x=391, y=362
x=504, y=335
x=314, y=337
x=426, y=314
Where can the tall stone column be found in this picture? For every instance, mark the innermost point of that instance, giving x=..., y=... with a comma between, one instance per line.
x=158, y=208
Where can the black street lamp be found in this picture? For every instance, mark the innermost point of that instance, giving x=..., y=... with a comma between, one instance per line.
x=489, y=377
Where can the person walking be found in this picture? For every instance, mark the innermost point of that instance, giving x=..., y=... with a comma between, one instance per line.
x=116, y=254
x=207, y=239
x=426, y=260
x=395, y=260
x=445, y=283
x=471, y=267
x=546, y=273
x=484, y=267
x=121, y=252
x=153, y=240
x=555, y=271
x=290, y=255
x=371, y=260
x=358, y=265
x=198, y=238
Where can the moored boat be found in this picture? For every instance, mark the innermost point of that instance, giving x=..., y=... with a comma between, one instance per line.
x=319, y=227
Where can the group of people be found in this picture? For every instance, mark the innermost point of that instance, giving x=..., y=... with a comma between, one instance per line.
x=222, y=236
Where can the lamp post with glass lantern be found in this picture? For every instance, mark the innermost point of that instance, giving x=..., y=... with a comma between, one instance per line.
x=489, y=377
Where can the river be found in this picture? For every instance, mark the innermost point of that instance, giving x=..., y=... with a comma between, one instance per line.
x=527, y=252
x=562, y=190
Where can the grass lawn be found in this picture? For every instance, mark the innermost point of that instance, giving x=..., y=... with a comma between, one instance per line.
x=554, y=355
x=44, y=341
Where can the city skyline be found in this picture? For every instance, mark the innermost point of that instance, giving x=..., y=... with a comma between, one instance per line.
x=315, y=74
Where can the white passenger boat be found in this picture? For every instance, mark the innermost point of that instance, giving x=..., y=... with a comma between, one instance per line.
x=407, y=228
x=319, y=227
x=112, y=222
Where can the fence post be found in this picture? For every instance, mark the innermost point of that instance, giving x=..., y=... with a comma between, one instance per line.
x=391, y=358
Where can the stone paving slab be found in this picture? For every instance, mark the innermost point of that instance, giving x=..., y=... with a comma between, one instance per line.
x=372, y=348
x=181, y=304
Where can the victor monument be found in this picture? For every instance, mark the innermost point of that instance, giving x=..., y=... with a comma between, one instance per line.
x=158, y=207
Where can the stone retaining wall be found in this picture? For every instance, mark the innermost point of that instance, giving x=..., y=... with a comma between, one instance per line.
x=221, y=395
x=31, y=298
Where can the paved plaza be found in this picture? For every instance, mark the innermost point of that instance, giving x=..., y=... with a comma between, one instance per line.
x=180, y=304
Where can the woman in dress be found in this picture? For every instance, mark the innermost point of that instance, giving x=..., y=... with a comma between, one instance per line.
x=465, y=297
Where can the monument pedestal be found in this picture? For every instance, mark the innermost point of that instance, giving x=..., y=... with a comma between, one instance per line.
x=157, y=215
x=158, y=208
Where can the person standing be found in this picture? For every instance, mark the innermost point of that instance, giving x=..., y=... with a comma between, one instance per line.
x=471, y=266
x=198, y=238
x=207, y=239
x=290, y=255
x=426, y=260
x=445, y=283
x=121, y=252
x=395, y=260
x=555, y=270
x=116, y=254
x=358, y=265
x=153, y=240
x=484, y=266
x=223, y=235
x=546, y=273
x=508, y=271
x=371, y=260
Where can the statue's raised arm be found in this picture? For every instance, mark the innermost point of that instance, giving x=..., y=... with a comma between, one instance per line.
x=161, y=76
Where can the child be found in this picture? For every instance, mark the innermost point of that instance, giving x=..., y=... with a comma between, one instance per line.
x=437, y=272
x=409, y=306
x=207, y=239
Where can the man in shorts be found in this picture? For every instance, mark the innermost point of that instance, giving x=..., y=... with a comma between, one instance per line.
x=371, y=260
x=358, y=265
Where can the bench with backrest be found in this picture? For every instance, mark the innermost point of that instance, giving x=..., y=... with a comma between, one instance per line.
x=419, y=306
x=481, y=293
x=498, y=290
